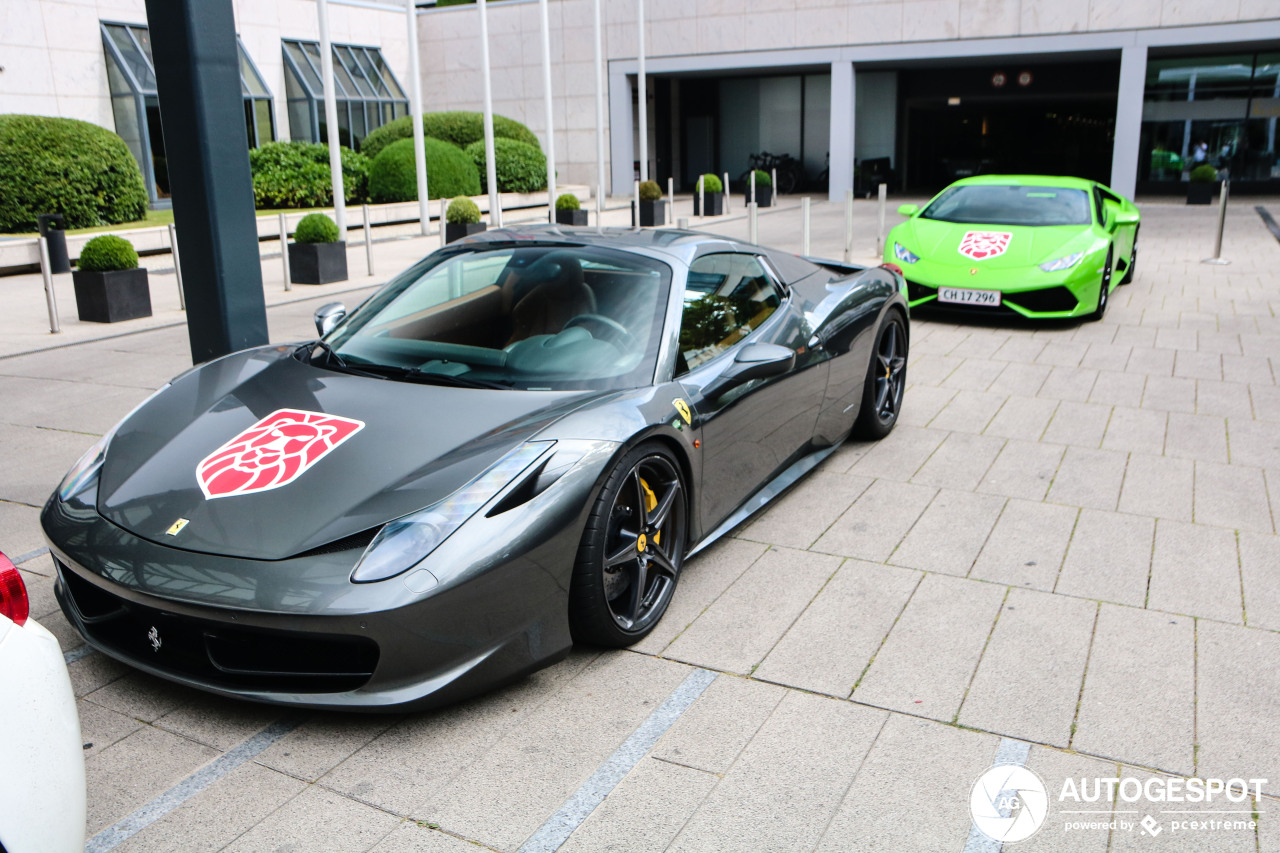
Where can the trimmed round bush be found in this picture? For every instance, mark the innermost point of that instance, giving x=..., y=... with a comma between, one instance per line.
x=710, y=184
x=520, y=168
x=762, y=179
x=66, y=166
x=107, y=252
x=568, y=201
x=462, y=211
x=460, y=128
x=394, y=177
x=650, y=191
x=316, y=228
x=1204, y=174
x=296, y=174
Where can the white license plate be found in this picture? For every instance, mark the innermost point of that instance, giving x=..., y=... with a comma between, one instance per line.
x=964, y=296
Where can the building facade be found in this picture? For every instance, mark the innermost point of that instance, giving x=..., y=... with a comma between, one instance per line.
x=91, y=60
x=914, y=93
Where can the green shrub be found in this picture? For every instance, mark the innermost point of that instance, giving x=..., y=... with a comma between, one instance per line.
x=61, y=165
x=394, y=177
x=709, y=184
x=107, y=252
x=296, y=174
x=1204, y=173
x=316, y=228
x=460, y=128
x=520, y=168
x=462, y=211
x=568, y=201
x=762, y=179
x=650, y=191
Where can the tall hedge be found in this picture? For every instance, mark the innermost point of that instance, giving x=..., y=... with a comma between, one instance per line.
x=460, y=128
x=296, y=174
x=450, y=172
x=519, y=168
x=66, y=166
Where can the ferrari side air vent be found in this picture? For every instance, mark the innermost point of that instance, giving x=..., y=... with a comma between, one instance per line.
x=534, y=483
x=359, y=540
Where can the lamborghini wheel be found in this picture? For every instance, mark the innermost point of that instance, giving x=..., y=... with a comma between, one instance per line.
x=1104, y=289
x=632, y=550
x=886, y=381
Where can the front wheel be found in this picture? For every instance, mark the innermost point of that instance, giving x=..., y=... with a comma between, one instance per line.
x=1132, y=269
x=631, y=551
x=886, y=381
x=1104, y=289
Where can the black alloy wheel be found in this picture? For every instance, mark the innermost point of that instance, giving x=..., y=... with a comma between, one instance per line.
x=886, y=381
x=1104, y=288
x=632, y=550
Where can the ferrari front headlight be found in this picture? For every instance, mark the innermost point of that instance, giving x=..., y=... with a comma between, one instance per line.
x=1066, y=262
x=402, y=544
x=84, y=473
x=904, y=254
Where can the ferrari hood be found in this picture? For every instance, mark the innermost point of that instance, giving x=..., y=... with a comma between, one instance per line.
x=258, y=455
x=989, y=246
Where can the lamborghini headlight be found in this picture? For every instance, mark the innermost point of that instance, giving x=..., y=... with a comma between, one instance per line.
x=904, y=254
x=402, y=544
x=1066, y=262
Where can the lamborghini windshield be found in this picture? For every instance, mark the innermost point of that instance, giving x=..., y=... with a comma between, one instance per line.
x=1007, y=205
x=529, y=316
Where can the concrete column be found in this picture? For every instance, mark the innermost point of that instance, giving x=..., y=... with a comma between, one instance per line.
x=1124, y=154
x=622, y=152
x=840, y=174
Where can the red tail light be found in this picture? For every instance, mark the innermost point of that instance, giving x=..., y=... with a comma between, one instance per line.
x=13, y=593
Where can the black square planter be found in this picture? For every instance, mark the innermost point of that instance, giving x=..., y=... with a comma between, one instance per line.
x=764, y=196
x=571, y=217
x=458, y=230
x=1202, y=192
x=715, y=204
x=653, y=213
x=318, y=263
x=109, y=297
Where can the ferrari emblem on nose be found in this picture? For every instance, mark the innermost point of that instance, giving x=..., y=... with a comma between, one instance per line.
x=177, y=526
x=154, y=636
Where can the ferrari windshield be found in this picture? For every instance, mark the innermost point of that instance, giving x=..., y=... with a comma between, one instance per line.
x=532, y=316
x=1008, y=205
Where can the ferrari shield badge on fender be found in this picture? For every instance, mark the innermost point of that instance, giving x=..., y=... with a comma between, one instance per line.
x=983, y=245
x=683, y=408
x=273, y=452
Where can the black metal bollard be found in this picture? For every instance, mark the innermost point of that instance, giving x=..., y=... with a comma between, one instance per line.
x=51, y=228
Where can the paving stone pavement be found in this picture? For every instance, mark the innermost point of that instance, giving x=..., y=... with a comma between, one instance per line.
x=1069, y=542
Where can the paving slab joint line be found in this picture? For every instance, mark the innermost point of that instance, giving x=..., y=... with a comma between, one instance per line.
x=1009, y=752
x=553, y=834
x=30, y=555
x=171, y=799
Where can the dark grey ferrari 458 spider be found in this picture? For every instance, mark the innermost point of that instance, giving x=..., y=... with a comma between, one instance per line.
x=513, y=446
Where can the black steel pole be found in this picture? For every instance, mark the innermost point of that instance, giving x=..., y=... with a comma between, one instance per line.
x=193, y=43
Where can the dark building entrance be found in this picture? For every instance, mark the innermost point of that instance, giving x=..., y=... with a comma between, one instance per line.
x=1014, y=118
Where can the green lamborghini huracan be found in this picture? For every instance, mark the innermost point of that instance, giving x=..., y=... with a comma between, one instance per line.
x=1041, y=247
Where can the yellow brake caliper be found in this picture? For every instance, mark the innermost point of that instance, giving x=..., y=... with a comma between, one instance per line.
x=650, y=501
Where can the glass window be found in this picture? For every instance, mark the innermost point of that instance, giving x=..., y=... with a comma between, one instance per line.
x=1011, y=205
x=727, y=297
x=534, y=317
x=368, y=96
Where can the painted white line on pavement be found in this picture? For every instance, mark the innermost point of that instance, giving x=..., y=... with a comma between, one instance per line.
x=108, y=838
x=1010, y=751
x=552, y=834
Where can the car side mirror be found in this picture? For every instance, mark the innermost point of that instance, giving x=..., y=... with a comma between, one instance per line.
x=908, y=209
x=328, y=316
x=753, y=361
x=1128, y=217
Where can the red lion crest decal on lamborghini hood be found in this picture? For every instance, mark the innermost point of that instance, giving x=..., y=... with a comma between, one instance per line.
x=981, y=245
x=273, y=452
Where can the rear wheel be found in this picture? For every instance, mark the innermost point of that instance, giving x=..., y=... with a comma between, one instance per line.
x=631, y=551
x=886, y=381
x=1104, y=288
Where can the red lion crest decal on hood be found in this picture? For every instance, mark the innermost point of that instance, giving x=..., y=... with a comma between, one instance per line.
x=273, y=452
x=981, y=245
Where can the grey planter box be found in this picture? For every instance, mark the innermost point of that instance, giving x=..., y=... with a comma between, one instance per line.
x=1203, y=192
x=109, y=297
x=764, y=196
x=458, y=230
x=653, y=213
x=318, y=263
x=715, y=204
x=571, y=217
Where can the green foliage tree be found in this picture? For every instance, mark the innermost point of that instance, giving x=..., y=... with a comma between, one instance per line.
x=462, y=211
x=460, y=128
x=710, y=184
x=568, y=201
x=296, y=174
x=316, y=228
x=450, y=172
x=650, y=191
x=106, y=253
x=520, y=168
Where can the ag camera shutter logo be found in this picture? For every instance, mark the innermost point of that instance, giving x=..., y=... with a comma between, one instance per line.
x=1008, y=803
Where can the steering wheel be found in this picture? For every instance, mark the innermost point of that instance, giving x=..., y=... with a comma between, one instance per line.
x=610, y=330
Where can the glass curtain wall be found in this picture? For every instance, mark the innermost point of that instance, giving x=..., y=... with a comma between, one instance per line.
x=1215, y=110
x=367, y=93
x=131, y=80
